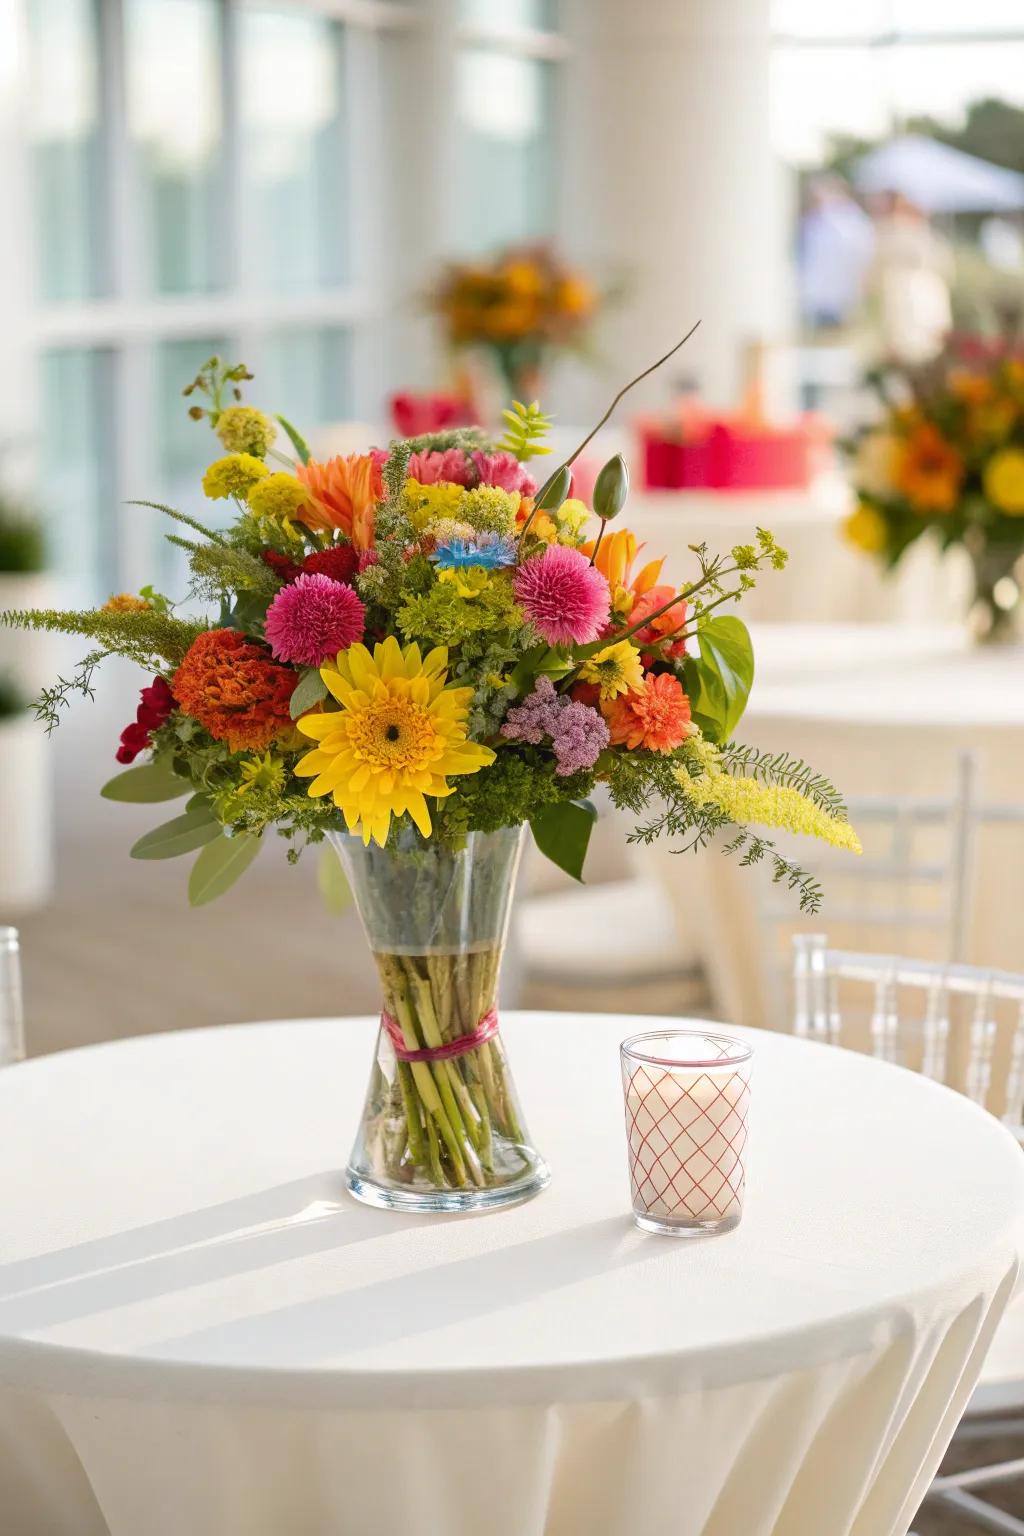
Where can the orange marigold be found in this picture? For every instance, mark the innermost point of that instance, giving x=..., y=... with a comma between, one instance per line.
x=343, y=493
x=233, y=687
x=125, y=602
x=931, y=471
x=656, y=716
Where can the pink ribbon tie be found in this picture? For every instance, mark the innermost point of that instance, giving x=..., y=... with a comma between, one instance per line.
x=485, y=1030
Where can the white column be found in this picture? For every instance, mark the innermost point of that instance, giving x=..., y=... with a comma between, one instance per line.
x=18, y=383
x=671, y=182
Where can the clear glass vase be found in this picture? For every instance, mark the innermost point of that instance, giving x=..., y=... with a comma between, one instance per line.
x=442, y=1129
x=997, y=610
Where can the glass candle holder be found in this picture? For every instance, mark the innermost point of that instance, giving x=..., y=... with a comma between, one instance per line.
x=687, y=1098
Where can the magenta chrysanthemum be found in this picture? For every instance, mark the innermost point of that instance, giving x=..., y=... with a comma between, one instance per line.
x=565, y=598
x=314, y=618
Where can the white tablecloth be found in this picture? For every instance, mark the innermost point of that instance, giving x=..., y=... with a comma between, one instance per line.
x=201, y=1333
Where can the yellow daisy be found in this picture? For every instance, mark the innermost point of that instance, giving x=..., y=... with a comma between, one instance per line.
x=399, y=732
x=617, y=669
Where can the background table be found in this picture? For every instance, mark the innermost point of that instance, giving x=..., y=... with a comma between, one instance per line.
x=200, y=1332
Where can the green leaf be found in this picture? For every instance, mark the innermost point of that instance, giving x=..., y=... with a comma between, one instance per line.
x=146, y=784
x=182, y=835
x=298, y=442
x=219, y=865
x=725, y=672
x=562, y=833
x=331, y=882
x=200, y=798
x=309, y=690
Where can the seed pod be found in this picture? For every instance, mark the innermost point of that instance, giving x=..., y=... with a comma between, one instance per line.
x=554, y=491
x=611, y=488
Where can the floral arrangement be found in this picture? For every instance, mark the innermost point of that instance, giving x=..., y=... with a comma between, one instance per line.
x=519, y=308
x=946, y=459
x=424, y=636
x=412, y=652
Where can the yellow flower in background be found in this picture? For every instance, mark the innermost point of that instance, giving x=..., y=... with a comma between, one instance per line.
x=1003, y=479
x=399, y=734
x=126, y=602
x=244, y=429
x=234, y=475
x=767, y=805
x=876, y=466
x=617, y=669
x=278, y=498
x=866, y=529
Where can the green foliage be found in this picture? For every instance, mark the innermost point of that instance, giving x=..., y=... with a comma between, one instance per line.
x=144, y=636
x=220, y=863
x=309, y=691
x=216, y=379
x=443, y=616
x=22, y=542
x=182, y=835
x=296, y=439
x=562, y=833
x=219, y=568
x=469, y=439
x=526, y=426
x=756, y=849
x=146, y=784
x=514, y=788
x=719, y=680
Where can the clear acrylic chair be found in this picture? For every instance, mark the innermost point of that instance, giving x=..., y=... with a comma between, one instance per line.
x=962, y=1025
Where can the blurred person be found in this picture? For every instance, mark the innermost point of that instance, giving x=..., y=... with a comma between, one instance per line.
x=1002, y=244
x=835, y=244
x=911, y=276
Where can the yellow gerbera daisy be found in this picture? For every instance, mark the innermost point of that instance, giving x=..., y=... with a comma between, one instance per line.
x=397, y=735
x=617, y=669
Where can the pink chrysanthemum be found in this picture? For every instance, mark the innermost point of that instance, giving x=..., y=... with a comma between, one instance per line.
x=313, y=618
x=504, y=470
x=450, y=466
x=565, y=598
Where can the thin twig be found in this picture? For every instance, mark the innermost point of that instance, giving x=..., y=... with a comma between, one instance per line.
x=625, y=391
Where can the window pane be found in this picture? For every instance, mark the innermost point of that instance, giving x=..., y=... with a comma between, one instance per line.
x=305, y=375
x=507, y=150
x=183, y=448
x=66, y=148
x=294, y=149
x=820, y=92
x=76, y=459
x=510, y=15
x=174, y=120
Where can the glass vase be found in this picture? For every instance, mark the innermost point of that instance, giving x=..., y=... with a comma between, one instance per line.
x=442, y=1128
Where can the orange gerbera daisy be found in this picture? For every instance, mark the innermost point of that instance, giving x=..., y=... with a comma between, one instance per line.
x=931, y=471
x=343, y=493
x=656, y=716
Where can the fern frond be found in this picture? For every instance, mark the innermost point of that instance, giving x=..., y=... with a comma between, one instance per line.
x=51, y=701
x=784, y=871
x=525, y=427
x=146, y=636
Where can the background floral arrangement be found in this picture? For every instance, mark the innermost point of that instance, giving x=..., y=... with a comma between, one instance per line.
x=947, y=459
x=424, y=636
x=519, y=308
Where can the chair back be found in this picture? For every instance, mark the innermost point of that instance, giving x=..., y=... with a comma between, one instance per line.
x=958, y=1024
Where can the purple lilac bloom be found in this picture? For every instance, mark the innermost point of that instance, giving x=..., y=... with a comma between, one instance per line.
x=578, y=733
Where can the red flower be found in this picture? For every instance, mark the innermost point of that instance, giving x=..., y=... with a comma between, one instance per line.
x=157, y=703
x=231, y=685
x=280, y=564
x=340, y=563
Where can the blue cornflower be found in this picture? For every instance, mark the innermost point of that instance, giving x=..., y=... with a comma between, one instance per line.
x=491, y=551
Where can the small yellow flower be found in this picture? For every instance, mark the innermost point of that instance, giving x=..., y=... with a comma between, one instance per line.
x=125, y=602
x=244, y=429
x=571, y=518
x=617, y=669
x=234, y=475
x=866, y=529
x=427, y=504
x=266, y=772
x=1003, y=479
x=278, y=497
x=469, y=581
x=490, y=509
